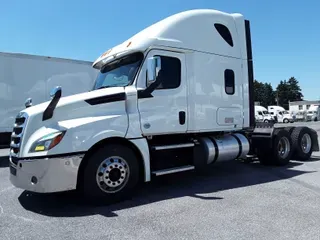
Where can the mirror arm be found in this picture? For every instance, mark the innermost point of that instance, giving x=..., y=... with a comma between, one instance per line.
x=48, y=113
x=147, y=93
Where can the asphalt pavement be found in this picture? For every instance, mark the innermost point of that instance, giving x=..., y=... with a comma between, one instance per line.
x=235, y=201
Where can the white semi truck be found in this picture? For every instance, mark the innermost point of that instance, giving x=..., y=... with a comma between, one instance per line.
x=177, y=96
x=24, y=76
x=262, y=114
x=280, y=114
x=313, y=113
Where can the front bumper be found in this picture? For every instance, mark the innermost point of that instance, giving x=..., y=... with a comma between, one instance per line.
x=310, y=118
x=45, y=175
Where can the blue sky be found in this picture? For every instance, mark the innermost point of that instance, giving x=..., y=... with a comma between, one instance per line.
x=285, y=34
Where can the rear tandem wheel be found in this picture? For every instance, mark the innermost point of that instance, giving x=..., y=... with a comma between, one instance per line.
x=302, y=143
x=280, y=152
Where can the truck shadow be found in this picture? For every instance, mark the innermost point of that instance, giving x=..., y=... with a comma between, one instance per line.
x=223, y=176
x=311, y=159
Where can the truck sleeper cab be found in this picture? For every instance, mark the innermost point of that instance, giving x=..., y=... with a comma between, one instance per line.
x=166, y=100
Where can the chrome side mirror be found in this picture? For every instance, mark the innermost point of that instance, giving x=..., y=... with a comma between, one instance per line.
x=28, y=102
x=153, y=68
x=56, y=90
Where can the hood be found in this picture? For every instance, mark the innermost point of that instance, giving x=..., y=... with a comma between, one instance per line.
x=80, y=98
x=89, y=111
x=287, y=115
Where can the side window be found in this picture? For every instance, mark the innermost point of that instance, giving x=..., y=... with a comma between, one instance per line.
x=224, y=33
x=260, y=113
x=170, y=73
x=229, y=81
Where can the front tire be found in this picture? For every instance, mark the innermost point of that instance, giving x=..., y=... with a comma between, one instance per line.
x=111, y=175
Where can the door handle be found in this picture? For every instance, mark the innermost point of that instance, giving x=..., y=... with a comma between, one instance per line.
x=182, y=117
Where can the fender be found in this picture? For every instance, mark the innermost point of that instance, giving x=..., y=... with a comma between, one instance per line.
x=142, y=145
x=139, y=144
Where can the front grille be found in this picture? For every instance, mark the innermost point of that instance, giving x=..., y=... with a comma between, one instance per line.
x=16, y=136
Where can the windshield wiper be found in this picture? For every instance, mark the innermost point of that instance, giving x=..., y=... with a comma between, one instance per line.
x=115, y=85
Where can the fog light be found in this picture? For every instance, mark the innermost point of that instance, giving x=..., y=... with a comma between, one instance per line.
x=34, y=180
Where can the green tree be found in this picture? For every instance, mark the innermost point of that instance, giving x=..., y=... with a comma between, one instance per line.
x=295, y=93
x=258, y=90
x=288, y=91
x=282, y=95
x=263, y=93
x=269, y=95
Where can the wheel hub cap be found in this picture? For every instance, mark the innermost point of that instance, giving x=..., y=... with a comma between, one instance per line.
x=283, y=147
x=112, y=174
x=306, y=143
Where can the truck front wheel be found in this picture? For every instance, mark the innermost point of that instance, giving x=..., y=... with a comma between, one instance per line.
x=111, y=174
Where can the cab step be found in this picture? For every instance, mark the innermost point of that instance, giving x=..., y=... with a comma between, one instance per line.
x=173, y=170
x=173, y=146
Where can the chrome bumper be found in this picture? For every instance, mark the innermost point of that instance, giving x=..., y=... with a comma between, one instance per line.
x=45, y=175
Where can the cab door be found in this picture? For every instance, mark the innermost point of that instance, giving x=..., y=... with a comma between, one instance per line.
x=259, y=116
x=164, y=111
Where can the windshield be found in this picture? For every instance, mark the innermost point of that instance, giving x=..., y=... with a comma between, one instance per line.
x=119, y=73
x=265, y=112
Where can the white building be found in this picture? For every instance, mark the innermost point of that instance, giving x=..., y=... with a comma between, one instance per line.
x=301, y=106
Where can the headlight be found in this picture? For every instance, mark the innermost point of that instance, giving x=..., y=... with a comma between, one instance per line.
x=47, y=142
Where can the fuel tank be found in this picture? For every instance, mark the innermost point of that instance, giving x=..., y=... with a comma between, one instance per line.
x=228, y=147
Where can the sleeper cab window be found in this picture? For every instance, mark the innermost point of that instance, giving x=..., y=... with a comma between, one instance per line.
x=229, y=81
x=224, y=33
x=170, y=73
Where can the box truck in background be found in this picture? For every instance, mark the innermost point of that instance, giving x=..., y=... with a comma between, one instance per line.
x=24, y=76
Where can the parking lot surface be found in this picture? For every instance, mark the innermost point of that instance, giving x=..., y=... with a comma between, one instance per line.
x=235, y=201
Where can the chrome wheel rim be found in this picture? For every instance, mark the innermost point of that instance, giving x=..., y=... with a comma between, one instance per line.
x=283, y=147
x=112, y=174
x=306, y=143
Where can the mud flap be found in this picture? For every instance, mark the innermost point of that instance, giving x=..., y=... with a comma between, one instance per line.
x=314, y=136
x=261, y=137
